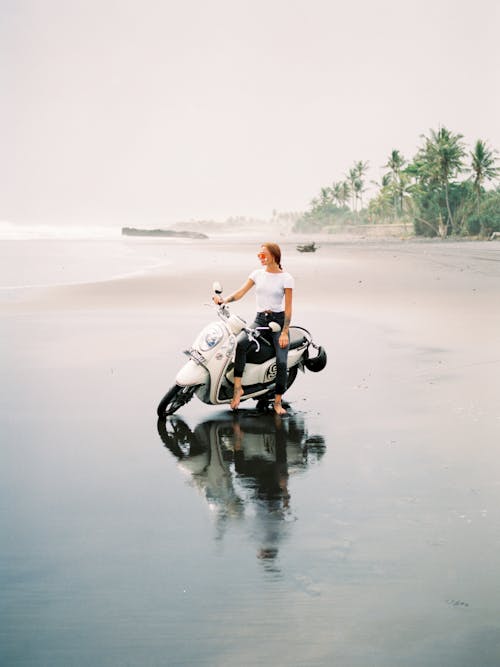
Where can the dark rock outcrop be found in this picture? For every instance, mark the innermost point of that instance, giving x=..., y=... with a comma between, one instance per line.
x=133, y=231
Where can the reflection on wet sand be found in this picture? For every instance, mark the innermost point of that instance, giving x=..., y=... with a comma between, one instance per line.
x=242, y=464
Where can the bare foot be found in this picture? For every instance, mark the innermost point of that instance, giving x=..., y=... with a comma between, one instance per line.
x=279, y=409
x=238, y=393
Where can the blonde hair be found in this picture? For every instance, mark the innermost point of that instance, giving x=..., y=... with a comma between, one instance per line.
x=275, y=251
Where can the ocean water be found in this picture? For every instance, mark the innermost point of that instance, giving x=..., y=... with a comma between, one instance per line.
x=50, y=262
x=50, y=255
x=10, y=231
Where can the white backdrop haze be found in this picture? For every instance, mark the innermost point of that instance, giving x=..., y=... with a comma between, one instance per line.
x=154, y=112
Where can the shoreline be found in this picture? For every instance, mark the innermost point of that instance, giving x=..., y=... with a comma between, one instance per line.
x=239, y=246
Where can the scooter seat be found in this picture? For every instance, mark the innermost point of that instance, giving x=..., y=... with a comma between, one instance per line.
x=266, y=352
x=297, y=339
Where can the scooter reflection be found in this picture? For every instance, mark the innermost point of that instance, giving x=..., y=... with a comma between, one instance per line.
x=242, y=467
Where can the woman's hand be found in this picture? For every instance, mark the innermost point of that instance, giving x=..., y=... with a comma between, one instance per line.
x=218, y=300
x=283, y=339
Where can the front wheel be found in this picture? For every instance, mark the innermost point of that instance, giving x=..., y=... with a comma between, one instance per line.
x=174, y=399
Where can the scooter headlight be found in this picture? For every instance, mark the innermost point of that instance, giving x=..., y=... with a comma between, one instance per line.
x=211, y=337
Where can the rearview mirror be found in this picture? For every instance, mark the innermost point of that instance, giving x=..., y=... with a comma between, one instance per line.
x=275, y=327
x=217, y=287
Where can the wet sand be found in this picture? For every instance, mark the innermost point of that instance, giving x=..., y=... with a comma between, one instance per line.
x=127, y=543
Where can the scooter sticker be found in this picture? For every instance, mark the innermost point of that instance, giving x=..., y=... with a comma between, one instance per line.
x=270, y=373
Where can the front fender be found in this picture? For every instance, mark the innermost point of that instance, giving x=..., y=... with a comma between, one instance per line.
x=191, y=374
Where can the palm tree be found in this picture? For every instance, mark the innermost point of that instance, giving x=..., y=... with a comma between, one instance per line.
x=394, y=179
x=358, y=191
x=440, y=160
x=326, y=196
x=345, y=193
x=361, y=169
x=352, y=177
x=355, y=182
x=483, y=167
x=336, y=190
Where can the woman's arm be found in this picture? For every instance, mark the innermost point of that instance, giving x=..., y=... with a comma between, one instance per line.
x=288, y=317
x=238, y=294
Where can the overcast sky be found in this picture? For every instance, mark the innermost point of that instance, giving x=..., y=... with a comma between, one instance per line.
x=155, y=111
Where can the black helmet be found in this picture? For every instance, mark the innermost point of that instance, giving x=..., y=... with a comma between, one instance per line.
x=318, y=362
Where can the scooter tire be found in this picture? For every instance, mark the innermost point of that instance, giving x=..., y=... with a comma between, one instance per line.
x=174, y=399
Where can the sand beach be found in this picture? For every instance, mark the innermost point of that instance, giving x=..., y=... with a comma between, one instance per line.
x=118, y=550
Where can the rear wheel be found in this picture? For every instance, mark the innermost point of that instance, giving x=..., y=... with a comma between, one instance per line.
x=174, y=399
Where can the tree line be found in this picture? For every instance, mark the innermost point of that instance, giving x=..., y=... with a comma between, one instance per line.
x=444, y=190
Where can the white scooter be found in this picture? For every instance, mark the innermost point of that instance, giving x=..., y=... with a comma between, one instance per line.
x=209, y=372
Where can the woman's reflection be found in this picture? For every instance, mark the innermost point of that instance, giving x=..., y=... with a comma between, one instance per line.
x=242, y=464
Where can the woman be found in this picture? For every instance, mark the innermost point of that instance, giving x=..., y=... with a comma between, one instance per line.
x=274, y=304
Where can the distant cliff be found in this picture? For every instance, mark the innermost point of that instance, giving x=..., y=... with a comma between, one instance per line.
x=132, y=231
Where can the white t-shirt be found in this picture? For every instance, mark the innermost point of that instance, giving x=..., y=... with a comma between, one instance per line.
x=270, y=289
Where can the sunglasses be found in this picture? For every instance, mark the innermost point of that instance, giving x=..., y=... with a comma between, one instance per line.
x=261, y=255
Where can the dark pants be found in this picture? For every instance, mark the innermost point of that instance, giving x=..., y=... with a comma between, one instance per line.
x=244, y=345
